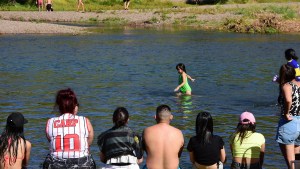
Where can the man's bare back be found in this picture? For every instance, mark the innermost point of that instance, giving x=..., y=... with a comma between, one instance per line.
x=163, y=144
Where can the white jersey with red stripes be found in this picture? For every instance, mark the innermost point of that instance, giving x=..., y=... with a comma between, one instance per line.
x=68, y=135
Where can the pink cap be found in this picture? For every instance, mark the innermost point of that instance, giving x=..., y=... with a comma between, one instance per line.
x=247, y=115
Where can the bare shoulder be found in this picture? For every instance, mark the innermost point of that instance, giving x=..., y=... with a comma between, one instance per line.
x=28, y=144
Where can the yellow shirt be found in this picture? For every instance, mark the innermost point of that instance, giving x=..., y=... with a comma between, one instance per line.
x=250, y=147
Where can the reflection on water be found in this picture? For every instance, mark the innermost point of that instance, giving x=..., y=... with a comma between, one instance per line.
x=136, y=69
x=185, y=103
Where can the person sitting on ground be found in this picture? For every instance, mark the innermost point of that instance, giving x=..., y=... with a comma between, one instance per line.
x=14, y=148
x=247, y=146
x=69, y=135
x=162, y=142
x=120, y=146
x=206, y=141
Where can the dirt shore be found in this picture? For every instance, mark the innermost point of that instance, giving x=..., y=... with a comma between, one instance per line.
x=12, y=22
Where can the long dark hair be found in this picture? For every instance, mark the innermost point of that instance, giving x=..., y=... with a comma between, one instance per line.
x=242, y=130
x=286, y=74
x=120, y=117
x=66, y=101
x=181, y=66
x=204, y=127
x=9, y=142
x=290, y=54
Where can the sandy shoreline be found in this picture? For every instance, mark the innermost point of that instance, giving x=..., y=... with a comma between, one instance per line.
x=34, y=22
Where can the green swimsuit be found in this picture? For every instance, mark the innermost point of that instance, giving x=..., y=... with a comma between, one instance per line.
x=186, y=86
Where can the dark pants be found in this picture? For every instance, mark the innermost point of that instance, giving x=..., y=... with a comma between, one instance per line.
x=69, y=163
x=235, y=165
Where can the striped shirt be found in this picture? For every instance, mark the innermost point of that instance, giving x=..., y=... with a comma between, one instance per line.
x=68, y=135
x=119, y=142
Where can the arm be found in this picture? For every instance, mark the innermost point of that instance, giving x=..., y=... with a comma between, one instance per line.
x=262, y=154
x=188, y=76
x=91, y=131
x=223, y=155
x=46, y=131
x=287, y=94
x=192, y=158
x=102, y=157
x=182, y=144
x=183, y=82
x=139, y=161
x=27, y=154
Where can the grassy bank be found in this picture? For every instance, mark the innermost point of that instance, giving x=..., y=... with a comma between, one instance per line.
x=245, y=16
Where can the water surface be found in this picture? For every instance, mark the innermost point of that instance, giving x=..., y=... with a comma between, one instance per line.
x=136, y=69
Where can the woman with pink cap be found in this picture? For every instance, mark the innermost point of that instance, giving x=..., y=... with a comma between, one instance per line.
x=247, y=146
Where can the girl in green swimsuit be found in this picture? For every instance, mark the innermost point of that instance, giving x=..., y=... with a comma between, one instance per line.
x=182, y=81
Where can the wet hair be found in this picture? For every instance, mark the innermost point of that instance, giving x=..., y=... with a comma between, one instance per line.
x=181, y=66
x=120, y=117
x=163, y=112
x=242, y=129
x=9, y=142
x=290, y=54
x=204, y=127
x=286, y=74
x=66, y=101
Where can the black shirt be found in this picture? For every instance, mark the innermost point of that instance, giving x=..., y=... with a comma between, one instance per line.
x=207, y=154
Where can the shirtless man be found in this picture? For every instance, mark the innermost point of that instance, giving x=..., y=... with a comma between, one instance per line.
x=162, y=142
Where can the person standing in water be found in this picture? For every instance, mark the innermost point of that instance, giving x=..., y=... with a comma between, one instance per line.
x=290, y=56
x=182, y=81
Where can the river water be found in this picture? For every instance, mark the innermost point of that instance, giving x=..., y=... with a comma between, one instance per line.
x=135, y=68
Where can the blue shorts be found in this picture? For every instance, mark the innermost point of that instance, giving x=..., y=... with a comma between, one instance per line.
x=288, y=132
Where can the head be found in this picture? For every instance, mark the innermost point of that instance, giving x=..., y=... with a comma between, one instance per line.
x=163, y=114
x=120, y=117
x=246, y=123
x=290, y=54
x=204, y=127
x=286, y=74
x=180, y=67
x=9, y=139
x=66, y=101
x=15, y=123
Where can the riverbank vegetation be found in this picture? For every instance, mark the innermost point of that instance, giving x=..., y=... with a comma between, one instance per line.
x=245, y=16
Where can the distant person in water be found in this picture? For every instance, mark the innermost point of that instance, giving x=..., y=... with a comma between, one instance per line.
x=14, y=148
x=40, y=4
x=183, y=86
x=162, y=142
x=49, y=6
x=126, y=4
x=290, y=56
x=80, y=3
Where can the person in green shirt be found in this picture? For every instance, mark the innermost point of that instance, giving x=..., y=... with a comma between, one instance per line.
x=183, y=84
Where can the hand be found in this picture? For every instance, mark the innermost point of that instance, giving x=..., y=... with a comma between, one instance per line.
x=193, y=80
x=176, y=89
x=288, y=117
